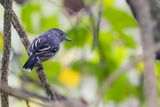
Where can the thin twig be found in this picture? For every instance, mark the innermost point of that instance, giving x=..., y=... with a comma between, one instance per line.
x=98, y=19
x=34, y=95
x=31, y=80
x=27, y=103
x=97, y=27
x=20, y=30
x=28, y=79
x=6, y=50
x=44, y=82
x=93, y=26
x=95, y=22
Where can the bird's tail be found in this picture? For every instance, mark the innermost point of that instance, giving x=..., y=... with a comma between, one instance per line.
x=31, y=62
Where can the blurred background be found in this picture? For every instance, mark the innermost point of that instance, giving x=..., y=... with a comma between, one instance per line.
x=79, y=69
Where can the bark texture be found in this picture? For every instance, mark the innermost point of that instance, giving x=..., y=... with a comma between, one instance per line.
x=6, y=50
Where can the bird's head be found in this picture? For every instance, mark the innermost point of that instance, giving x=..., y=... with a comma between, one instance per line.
x=60, y=35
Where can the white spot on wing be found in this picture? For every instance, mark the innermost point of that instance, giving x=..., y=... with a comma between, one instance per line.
x=27, y=70
x=44, y=49
x=36, y=41
x=39, y=40
x=32, y=46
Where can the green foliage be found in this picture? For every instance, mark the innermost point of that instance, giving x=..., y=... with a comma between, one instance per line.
x=121, y=89
x=118, y=19
x=112, y=51
x=35, y=20
x=127, y=40
x=48, y=23
x=52, y=69
x=79, y=34
x=27, y=13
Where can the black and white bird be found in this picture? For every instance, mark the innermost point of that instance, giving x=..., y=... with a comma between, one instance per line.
x=44, y=47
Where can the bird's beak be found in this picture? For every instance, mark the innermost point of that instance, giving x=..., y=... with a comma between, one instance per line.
x=68, y=39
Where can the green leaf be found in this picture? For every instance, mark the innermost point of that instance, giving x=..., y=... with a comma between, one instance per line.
x=127, y=40
x=48, y=23
x=119, y=90
x=118, y=18
x=79, y=36
x=27, y=14
x=107, y=47
x=52, y=69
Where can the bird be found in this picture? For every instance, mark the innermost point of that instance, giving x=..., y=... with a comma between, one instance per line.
x=44, y=47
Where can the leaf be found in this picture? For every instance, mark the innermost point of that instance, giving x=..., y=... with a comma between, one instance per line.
x=70, y=78
x=27, y=13
x=118, y=18
x=127, y=40
x=52, y=69
x=120, y=54
x=108, y=2
x=120, y=90
x=79, y=36
x=48, y=23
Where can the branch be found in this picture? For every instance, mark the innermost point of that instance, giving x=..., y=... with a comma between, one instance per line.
x=95, y=24
x=6, y=50
x=99, y=16
x=39, y=68
x=37, y=99
x=20, y=31
x=142, y=10
x=155, y=12
x=40, y=100
x=134, y=10
x=28, y=79
x=25, y=96
x=45, y=84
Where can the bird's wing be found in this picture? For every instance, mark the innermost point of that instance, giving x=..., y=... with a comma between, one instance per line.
x=54, y=48
x=42, y=48
x=46, y=48
x=33, y=46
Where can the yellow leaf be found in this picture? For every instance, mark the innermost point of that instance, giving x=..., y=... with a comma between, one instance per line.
x=108, y=2
x=69, y=78
x=140, y=66
x=1, y=41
